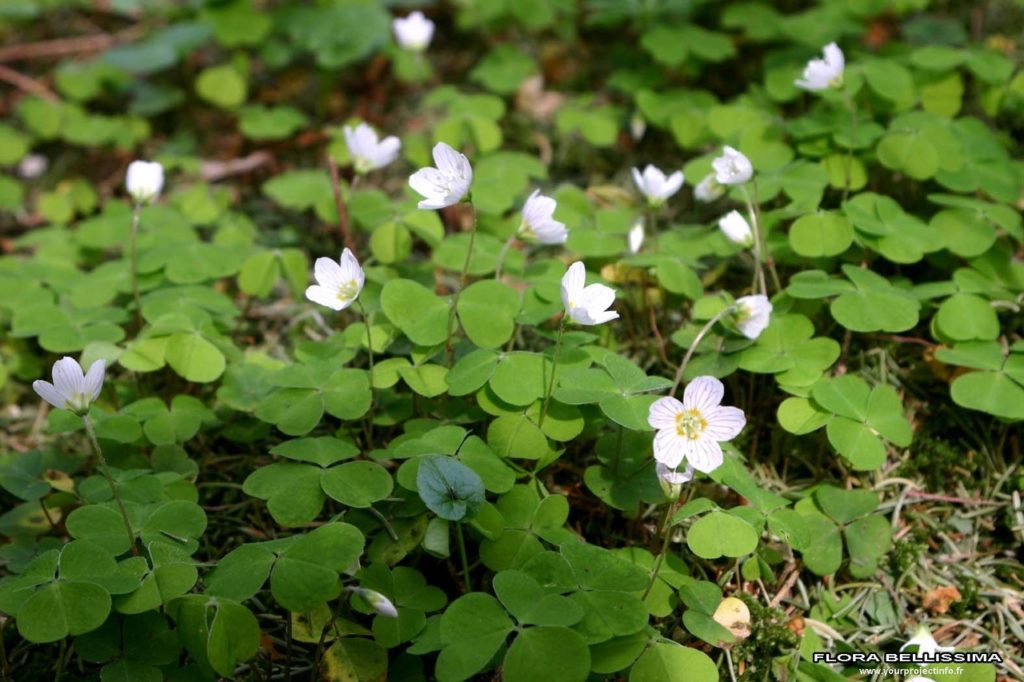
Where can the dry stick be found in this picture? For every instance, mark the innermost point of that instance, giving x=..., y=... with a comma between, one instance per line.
x=110, y=481
x=133, y=246
x=693, y=346
x=346, y=234
x=449, y=344
x=26, y=84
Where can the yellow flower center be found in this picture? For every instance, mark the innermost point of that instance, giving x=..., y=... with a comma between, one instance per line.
x=690, y=423
x=348, y=290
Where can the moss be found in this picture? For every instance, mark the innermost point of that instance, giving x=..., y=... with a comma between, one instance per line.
x=769, y=638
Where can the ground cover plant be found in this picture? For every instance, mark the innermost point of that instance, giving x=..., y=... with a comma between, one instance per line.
x=349, y=340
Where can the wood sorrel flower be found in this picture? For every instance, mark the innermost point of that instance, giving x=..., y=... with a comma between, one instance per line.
x=736, y=228
x=368, y=151
x=654, y=185
x=446, y=184
x=691, y=430
x=538, y=220
x=635, y=238
x=337, y=283
x=413, y=32
x=925, y=642
x=752, y=315
x=586, y=305
x=708, y=189
x=377, y=601
x=72, y=389
x=144, y=180
x=822, y=74
x=671, y=480
x=732, y=167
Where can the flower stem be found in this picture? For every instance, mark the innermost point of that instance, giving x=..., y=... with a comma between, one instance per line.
x=758, y=285
x=501, y=257
x=693, y=346
x=851, y=104
x=369, y=353
x=133, y=248
x=450, y=345
x=110, y=481
x=554, y=367
x=463, y=557
x=663, y=530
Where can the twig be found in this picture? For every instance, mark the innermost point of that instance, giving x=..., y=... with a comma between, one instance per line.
x=212, y=171
x=26, y=84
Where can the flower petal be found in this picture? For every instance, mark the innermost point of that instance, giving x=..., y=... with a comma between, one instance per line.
x=663, y=411
x=46, y=391
x=68, y=377
x=328, y=273
x=669, y=448
x=703, y=393
x=94, y=379
x=326, y=297
x=703, y=453
x=724, y=423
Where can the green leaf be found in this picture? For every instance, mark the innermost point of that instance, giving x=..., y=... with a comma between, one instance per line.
x=473, y=627
x=824, y=554
x=418, y=312
x=721, y=534
x=547, y=653
x=867, y=541
x=966, y=317
x=487, y=312
x=449, y=488
x=357, y=484
x=194, y=358
x=222, y=85
x=671, y=662
x=62, y=608
x=323, y=451
x=821, y=234
x=306, y=573
x=218, y=632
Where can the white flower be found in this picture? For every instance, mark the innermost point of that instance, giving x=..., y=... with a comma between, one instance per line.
x=538, y=220
x=691, y=430
x=586, y=305
x=446, y=184
x=71, y=388
x=144, y=180
x=926, y=644
x=337, y=284
x=636, y=236
x=377, y=601
x=653, y=184
x=708, y=189
x=736, y=228
x=32, y=166
x=672, y=481
x=368, y=151
x=752, y=315
x=414, y=31
x=732, y=167
x=822, y=74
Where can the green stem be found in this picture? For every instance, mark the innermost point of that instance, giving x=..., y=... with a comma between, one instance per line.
x=851, y=104
x=693, y=346
x=758, y=285
x=369, y=352
x=551, y=380
x=663, y=529
x=449, y=344
x=463, y=557
x=110, y=481
x=134, y=255
x=501, y=257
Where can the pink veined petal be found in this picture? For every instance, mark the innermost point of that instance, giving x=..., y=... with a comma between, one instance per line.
x=724, y=423
x=704, y=454
x=47, y=391
x=94, y=379
x=543, y=207
x=325, y=297
x=572, y=282
x=328, y=272
x=662, y=413
x=703, y=393
x=669, y=448
x=349, y=267
x=68, y=377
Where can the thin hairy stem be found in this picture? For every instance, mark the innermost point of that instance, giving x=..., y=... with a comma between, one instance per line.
x=501, y=256
x=693, y=346
x=133, y=248
x=369, y=353
x=463, y=556
x=554, y=368
x=110, y=481
x=450, y=343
